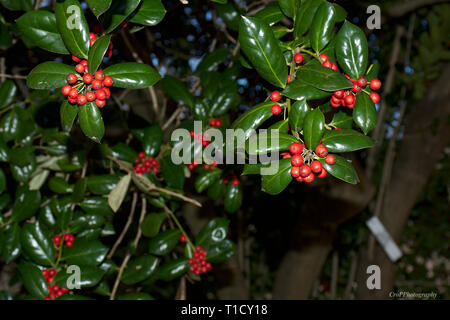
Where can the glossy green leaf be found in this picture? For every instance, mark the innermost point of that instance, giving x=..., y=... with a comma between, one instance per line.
x=364, y=113
x=230, y=14
x=221, y=251
x=73, y=27
x=149, y=13
x=139, y=269
x=352, y=50
x=207, y=179
x=172, y=173
x=102, y=184
x=262, y=49
x=37, y=244
x=91, y=121
x=85, y=252
x=26, y=204
x=8, y=91
x=118, y=194
x=233, y=198
x=297, y=115
x=79, y=190
x=177, y=90
x=118, y=12
x=200, y=110
x=164, y=242
x=4, y=149
x=49, y=75
x=340, y=13
x=264, y=145
x=323, y=78
x=277, y=182
x=152, y=223
x=40, y=26
x=212, y=60
x=217, y=190
x=313, y=128
x=213, y=232
x=96, y=205
x=2, y=181
x=89, y=277
x=342, y=120
x=11, y=246
x=223, y=100
x=173, y=269
x=346, y=141
x=68, y=113
x=305, y=16
x=289, y=7
x=253, y=118
x=372, y=71
x=322, y=26
x=32, y=279
x=132, y=75
x=25, y=5
x=23, y=174
x=342, y=170
x=299, y=89
x=124, y=152
x=98, y=7
x=59, y=185
x=97, y=53
x=151, y=138
x=282, y=126
x=271, y=14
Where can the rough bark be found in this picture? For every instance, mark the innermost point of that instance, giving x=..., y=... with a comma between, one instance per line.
x=425, y=137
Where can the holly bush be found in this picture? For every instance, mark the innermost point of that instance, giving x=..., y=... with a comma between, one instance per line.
x=113, y=207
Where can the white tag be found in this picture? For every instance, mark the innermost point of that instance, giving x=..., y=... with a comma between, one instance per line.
x=384, y=238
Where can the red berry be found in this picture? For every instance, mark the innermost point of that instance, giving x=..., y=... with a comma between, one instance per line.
x=375, y=84
x=100, y=103
x=316, y=166
x=108, y=81
x=276, y=109
x=330, y=159
x=212, y=122
x=321, y=150
x=67, y=237
x=71, y=78
x=336, y=100
x=339, y=94
x=87, y=78
x=57, y=240
x=90, y=96
x=73, y=93
x=298, y=58
x=84, y=63
x=218, y=123
x=297, y=160
x=323, y=57
x=99, y=75
x=141, y=155
x=309, y=178
x=356, y=88
x=296, y=148
x=97, y=84
x=72, y=100
x=81, y=99
x=80, y=68
x=75, y=58
x=304, y=170
x=335, y=105
x=350, y=99
x=182, y=238
x=100, y=94
x=92, y=36
x=375, y=97
x=295, y=172
x=66, y=90
x=288, y=78
x=362, y=82
x=108, y=92
x=275, y=96
x=327, y=64
x=191, y=166
x=69, y=244
x=334, y=66
x=299, y=179
x=52, y=272
x=45, y=273
x=322, y=173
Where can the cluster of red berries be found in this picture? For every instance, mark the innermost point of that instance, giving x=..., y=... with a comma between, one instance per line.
x=206, y=166
x=302, y=171
x=215, y=123
x=275, y=97
x=234, y=181
x=198, y=263
x=327, y=63
x=347, y=98
x=200, y=139
x=68, y=240
x=54, y=291
x=143, y=164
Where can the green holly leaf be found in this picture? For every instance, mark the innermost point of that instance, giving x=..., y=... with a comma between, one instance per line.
x=207, y=179
x=123, y=152
x=372, y=71
x=152, y=223
x=230, y=14
x=164, y=242
x=26, y=204
x=149, y=13
x=352, y=50
x=346, y=141
x=173, y=269
x=224, y=100
x=282, y=126
x=11, y=246
x=172, y=173
x=323, y=78
x=151, y=139
x=253, y=118
x=18, y=5
x=132, y=75
x=37, y=244
x=297, y=115
x=103, y=183
x=271, y=14
x=118, y=12
x=68, y=113
x=262, y=49
x=139, y=269
x=91, y=121
x=213, y=232
x=59, y=186
x=289, y=7
x=97, y=53
x=277, y=182
x=8, y=91
x=32, y=279
x=73, y=27
x=322, y=26
x=233, y=198
x=221, y=251
x=364, y=113
x=342, y=170
x=271, y=142
x=313, y=128
x=99, y=7
x=177, y=90
x=79, y=190
x=340, y=13
x=212, y=60
x=40, y=27
x=305, y=16
x=96, y=205
x=85, y=252
x=49, y=75
x=342, y=120
x=299, y=89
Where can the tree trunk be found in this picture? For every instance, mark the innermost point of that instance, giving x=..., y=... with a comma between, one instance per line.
x=425, y=137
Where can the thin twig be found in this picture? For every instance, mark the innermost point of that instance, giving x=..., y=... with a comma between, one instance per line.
x=12, y=76
x=127, y=226
x=351, y=276
x=172, y=118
